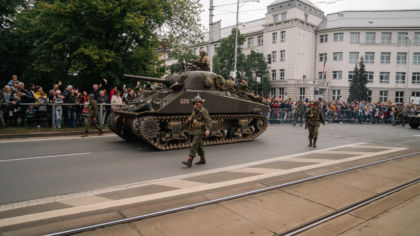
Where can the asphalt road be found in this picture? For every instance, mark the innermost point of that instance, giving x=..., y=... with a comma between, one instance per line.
x=43, y=167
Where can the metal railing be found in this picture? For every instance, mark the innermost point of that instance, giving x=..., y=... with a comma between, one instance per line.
x=47, y=115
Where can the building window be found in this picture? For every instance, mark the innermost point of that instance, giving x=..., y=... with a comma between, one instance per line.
x=281, y=92
x=386, y=37
x=400, y=78
x=337, y=74
x=306, y=17
x=321, y=75
x=369, y=57
x=283, y=36
x=283, y=16
x=383, y=96
x=415, y=79
x=415, y=94
x=416, y=38
x=323, y=38
x=336, y=94
x=282, y=74
x=338, y=56
x=274, y=56
x=369, y=77
x=273, y=92
x=250, y=42
x=338, y=36
x=416, y=58
x=275, y=18
x=399, y=97
x=401, y=57
x=275, y=37
x=370, y=37
x=385, y=57
x=402, y=37
x=369, y=95
x=302, y=93
x=353, y=57
x=351, y=76
x=384, y=78
x=354, y=37
x=273, y=75
x=322, y=57
x=282, y=55
x=260, y=40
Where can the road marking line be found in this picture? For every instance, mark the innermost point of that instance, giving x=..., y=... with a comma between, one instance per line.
x=255, y=170
x=179, y=183
x=35, y=202
x=43, y=157
x=345, y=152
x=204, y=187
x=83, y=201
x=314, y=160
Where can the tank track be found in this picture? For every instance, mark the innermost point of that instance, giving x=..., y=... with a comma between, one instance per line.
x=153, y=130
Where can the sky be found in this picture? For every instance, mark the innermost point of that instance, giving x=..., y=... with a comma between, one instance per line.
x=225, y=10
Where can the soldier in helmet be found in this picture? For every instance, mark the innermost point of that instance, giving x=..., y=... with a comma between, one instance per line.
x=92, y=116
x=203, y=61
x=313, y=117
x=200, y=119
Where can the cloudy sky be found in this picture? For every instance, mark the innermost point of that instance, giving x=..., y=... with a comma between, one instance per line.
x=225, y=10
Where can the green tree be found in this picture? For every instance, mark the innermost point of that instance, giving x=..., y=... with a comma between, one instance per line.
x=255, y=66
x=81, y=41
x=358, y=90
x=223, y=61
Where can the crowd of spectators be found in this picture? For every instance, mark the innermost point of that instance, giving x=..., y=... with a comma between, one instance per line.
x=70, y=106
x=32, y=106
x=284, y=111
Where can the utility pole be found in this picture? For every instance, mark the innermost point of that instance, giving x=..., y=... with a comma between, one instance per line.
x=236, y=41
x=211, y=34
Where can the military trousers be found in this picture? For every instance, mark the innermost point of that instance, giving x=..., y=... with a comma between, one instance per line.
x=313, y=131
x=197, y=146
x=399, y=118
x=91, y=122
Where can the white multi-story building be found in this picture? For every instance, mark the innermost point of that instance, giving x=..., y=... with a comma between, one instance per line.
x=313, y=55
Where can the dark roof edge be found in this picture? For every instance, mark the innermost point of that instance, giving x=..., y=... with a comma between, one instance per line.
x=373, y=11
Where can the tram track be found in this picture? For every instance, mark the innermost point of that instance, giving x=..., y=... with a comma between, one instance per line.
x=293, y=231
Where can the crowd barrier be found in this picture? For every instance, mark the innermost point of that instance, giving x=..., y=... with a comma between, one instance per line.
x=286, y=116
x=50, y=115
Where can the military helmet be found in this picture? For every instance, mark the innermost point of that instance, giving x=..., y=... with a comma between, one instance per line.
x=198, y=99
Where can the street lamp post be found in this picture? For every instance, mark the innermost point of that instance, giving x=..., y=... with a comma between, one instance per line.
x=236, y=35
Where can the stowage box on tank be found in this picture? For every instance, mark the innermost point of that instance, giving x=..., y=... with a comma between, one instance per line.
x=159, y=117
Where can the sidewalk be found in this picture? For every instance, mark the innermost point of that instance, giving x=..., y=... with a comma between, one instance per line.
x=44, y=133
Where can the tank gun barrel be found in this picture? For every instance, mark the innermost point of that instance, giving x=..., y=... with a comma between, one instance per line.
x=151, y=79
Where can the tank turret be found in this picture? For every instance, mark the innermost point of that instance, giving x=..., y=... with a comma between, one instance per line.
x=160, y=117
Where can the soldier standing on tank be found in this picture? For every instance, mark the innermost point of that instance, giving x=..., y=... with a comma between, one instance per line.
x=400, y=115
x=203, y=62
x=92, y=115
x=313, y=117
x=200, y=119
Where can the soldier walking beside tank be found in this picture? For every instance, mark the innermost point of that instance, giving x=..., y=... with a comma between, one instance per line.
x=313, y=117
x=92, y=115
x=200, y=119
x=400, y=115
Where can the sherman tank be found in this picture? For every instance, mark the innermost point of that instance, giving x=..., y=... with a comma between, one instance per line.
x=159, y=116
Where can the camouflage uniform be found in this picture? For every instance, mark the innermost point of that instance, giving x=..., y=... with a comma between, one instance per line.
x=92, y=114
x=200, y=120
x=243, y=89
x=400, y=115
x=313, y=118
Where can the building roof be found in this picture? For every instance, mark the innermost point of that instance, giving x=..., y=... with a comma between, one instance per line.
x=371, y=19
x=304, y=1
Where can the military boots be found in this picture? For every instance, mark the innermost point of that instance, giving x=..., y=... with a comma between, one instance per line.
x=188, y=162
x=314, y=143
x=202, y=160
x=310, y=142
x=85, y=134
x=100, y=132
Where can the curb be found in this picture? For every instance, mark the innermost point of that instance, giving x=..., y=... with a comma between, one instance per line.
x=47, y=134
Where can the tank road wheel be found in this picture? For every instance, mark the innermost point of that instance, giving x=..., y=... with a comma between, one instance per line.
x=148, y=129
x=413, y=124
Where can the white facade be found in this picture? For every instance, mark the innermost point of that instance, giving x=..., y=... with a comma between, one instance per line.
x=298, y=37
